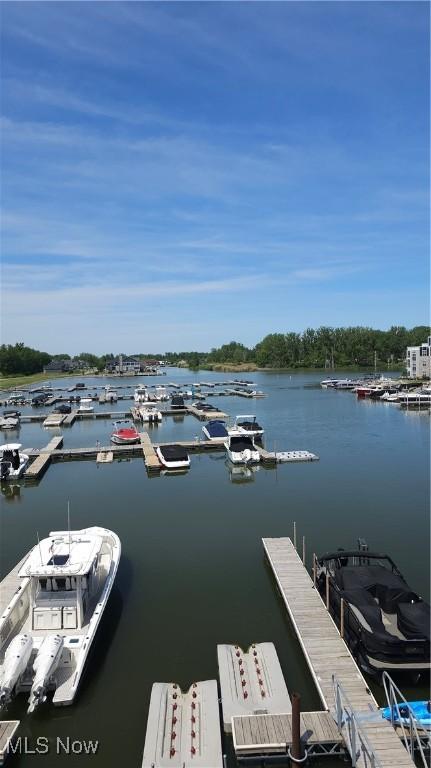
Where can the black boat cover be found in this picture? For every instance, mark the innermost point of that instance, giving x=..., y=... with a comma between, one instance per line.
x=250, y=426
x=216, y=428
x=177, y=401
x=389, y=588
x=243, y=443
x=414, y=619
x=174, y=452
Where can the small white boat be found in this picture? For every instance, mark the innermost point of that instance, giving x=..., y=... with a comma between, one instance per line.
x=86, y=405
x=47, y=629
x=173, y=456
x=246, y=425
x=124, y=433
x=149, y=413
x=328, y=383
x=12, y=461
x=141, y=394
x=161, y=393
x=242, y=450
x=9, y=422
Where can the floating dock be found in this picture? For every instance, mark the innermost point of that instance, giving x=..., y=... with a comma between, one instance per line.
x=8, y=729
x=152, y=461
x=206, y=415
x=183, y=729
x=332, y=666
x=281, y=457
x=267, y=736
x=39, y=465
x=54, y=420
x=251, y=683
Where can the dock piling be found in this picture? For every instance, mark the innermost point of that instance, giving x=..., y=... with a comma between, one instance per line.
x=296, y=752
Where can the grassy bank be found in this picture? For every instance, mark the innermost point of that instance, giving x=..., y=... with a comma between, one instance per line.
x=10, y=382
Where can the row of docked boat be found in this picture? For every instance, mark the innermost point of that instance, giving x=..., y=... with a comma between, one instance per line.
x=384, y=389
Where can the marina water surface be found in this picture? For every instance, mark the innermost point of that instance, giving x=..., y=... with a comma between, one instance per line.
x=193, y=572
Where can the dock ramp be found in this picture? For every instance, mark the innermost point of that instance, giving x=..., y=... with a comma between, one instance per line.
x=251, y=682
x=183, y=729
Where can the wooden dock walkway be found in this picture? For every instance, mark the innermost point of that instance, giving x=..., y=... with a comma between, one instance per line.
x=269, y=735
x=39, y=465
x=10, y=584
x=152, y=461
x=327, y=655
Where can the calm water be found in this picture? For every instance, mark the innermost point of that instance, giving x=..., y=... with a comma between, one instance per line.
x=192, y=572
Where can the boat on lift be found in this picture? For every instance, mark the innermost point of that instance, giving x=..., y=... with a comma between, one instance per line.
x=161, y=393
x=241, y=449
x=49, y=625
x=12, y=461
x=125, y=433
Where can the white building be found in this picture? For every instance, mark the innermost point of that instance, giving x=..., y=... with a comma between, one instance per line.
x=418, y=361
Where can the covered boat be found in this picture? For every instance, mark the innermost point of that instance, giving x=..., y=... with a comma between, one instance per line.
x=386, y=624
x=242, y=450
x=125, y=433
x=48, y=627
x=12, y=461
x=215, y=430
x=173, y=456
x=149, y=413
x=177, y=401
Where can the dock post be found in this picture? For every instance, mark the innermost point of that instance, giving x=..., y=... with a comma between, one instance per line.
x=327, y=591
x=342, y=618
x=294, y=535
x=296, y=753
x=303, y=549
x=314, y=569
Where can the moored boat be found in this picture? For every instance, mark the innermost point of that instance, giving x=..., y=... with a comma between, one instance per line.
x=48, y=627
x=12, y=462
x=215, y=430
x=124, y=433
x=386, y=624
x=242, y=450
x=149, y=413
x=246, y=425
x=173, y=456
x=86, y=405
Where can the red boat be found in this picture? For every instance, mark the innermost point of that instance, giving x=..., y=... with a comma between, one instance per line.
x=125, y=433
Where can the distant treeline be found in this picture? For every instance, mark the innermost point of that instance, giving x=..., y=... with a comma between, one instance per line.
x=314, y=348
x=318, y=348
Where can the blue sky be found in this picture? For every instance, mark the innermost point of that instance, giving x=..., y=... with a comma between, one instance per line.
x=178, y=175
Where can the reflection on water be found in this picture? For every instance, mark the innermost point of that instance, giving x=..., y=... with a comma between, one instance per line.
x=241, y=473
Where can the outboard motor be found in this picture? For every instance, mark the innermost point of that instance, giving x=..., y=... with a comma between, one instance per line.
x=15, y=459
x=15, y=663
x=45, y=664
x=4, y=470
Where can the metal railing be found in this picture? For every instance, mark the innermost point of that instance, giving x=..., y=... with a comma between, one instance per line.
x=350, y=726
x=409, y=728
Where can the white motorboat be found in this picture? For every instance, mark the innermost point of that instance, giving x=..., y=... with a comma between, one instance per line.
x=12, y=461
x=86, y=405
x=9, y=422
x=150, y=413
x=141, y=394
x=48, y=627
x=173, y=456
x=246, y=425
x=242, y=450
x=328, y=383
x=161, y=393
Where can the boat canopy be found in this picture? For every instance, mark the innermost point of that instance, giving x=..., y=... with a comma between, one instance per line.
x=241, y=443
x=216, y=428
x=62, y=554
